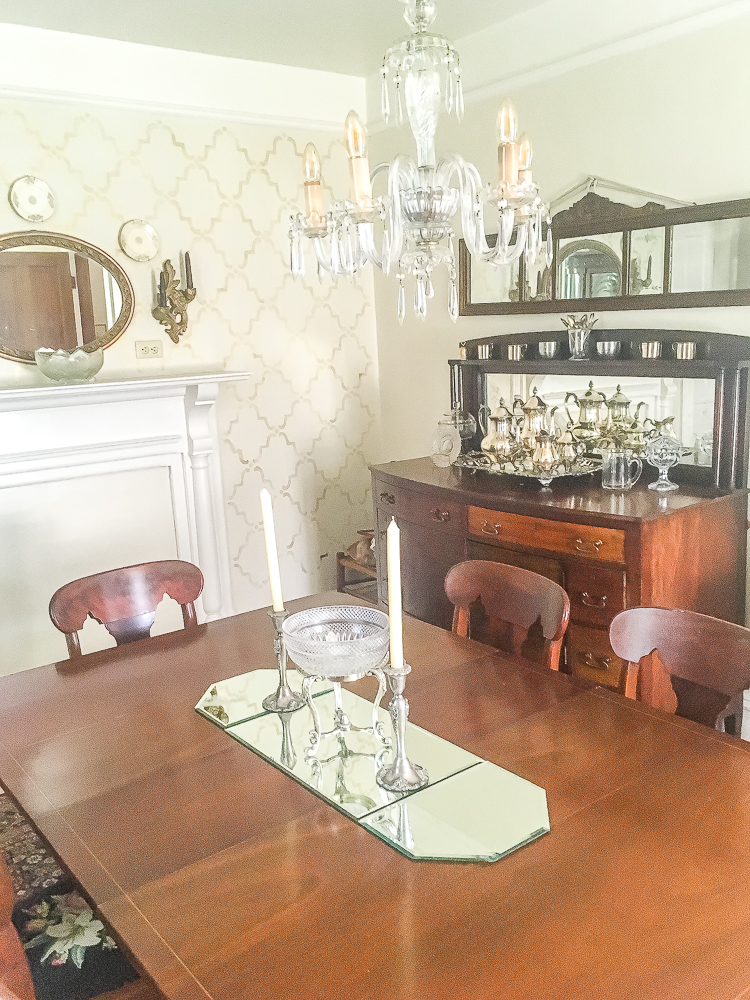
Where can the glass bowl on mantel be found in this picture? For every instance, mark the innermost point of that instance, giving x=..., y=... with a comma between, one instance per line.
x=69, y=367
x=345, y=641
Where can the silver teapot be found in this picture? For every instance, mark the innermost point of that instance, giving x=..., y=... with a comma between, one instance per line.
x=545, y=455
x=500, y=443
x=618, y=413
x=533, y=419
x=590, y=421
x=569, y=449
x=633, y=436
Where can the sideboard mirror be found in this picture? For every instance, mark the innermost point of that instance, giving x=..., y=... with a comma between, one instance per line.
x=608, y=255
x=59, y=292
x=706, y=394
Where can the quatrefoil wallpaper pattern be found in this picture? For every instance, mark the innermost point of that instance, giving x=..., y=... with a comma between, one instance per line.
x=306, y=423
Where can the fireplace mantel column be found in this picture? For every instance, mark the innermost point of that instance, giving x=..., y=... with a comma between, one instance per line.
x=202, y=448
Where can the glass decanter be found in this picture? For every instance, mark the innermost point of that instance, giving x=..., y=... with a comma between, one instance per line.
x=663, y=452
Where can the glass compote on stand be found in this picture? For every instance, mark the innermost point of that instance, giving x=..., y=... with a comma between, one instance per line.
x=663, y=452
x=336, y=645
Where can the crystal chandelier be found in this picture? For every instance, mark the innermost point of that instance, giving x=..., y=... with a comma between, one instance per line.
x=415, y=234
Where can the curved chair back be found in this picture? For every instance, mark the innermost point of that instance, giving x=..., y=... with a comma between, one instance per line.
x=125, y=600
x=505, y=606
x=708, y=660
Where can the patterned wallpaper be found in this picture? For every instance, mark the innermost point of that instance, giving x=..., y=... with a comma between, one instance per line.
x=306, y=424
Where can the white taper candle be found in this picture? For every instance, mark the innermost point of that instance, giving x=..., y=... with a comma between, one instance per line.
x=272, y=555
x=393, y=548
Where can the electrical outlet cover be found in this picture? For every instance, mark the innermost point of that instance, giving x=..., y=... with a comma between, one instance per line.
x=149, y=349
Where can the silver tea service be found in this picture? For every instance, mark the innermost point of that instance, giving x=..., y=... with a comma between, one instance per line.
x=549, y=348
x=684, y=350
x=650, y=349
x=608, y=348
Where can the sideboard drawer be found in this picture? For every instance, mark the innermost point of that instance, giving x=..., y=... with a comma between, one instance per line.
x=589, y=654
x=597, y=593
x=420, y=509
x=607, y=544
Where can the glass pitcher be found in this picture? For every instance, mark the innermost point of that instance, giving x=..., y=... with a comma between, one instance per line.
x=621, y=470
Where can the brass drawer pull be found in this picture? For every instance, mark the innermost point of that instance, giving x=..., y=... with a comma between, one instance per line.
x=594, y=662
x=581, y=545
x=441, y=515
x=593, y=602
x=387, y=497
x=491, y=529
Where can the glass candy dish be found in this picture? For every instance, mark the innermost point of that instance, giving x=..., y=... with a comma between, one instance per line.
x=663, y=451
x=341, y=641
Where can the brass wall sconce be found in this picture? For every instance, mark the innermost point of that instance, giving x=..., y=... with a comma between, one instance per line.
x=171, y=308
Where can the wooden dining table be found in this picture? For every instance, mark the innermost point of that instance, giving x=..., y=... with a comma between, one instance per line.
x=222, y=877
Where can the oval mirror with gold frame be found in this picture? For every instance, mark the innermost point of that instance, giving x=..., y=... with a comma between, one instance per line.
x=59, y=292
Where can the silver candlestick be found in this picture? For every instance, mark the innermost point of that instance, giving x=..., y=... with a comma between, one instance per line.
x=283, y=699
x=401, y=775
x=288, y=757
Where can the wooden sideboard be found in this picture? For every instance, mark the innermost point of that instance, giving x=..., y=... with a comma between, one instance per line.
x=609, y=550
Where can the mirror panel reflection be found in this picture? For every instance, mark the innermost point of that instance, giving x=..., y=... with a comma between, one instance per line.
x=590, y=269
x=55, y=298
x=689, y=401
x=711, y=256
x=60, y=293
x=647, y=248
x=699, y=252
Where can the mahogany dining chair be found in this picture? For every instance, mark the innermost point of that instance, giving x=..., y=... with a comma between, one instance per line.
x=15, y=976
x=511, y=608
x=707, y=659
x=125, y=600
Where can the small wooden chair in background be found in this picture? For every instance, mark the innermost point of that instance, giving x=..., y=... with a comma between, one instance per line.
x=125, y=600
x=708, y=660
x=514, y=609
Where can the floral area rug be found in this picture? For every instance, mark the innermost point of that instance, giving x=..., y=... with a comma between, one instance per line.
x=71, y=953
x=32, y=866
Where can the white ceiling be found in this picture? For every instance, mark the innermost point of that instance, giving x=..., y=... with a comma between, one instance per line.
x=344, y=36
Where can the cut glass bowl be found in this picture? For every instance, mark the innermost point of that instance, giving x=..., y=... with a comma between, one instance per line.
x=337, y=642
x=69, y=366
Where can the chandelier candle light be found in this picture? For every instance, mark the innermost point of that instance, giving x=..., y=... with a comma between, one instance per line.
x=416, y=210
x=283, y=699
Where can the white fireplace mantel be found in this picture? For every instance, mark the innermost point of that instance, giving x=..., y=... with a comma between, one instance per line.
x=66, y=432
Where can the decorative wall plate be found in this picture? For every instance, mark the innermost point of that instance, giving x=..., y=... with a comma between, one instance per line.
x=31, y=198
x=138, y=240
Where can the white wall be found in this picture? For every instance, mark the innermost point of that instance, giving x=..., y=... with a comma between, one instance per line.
x=669, y=116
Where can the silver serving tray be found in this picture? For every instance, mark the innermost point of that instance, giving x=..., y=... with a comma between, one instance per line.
x=477, y=461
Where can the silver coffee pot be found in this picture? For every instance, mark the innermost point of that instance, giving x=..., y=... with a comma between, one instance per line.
x=618, y=413
x=533, y=419
x=590, y=421
x=500, y=443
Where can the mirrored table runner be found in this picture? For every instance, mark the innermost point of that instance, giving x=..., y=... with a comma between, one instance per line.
x=471, y=810
x=240, y=698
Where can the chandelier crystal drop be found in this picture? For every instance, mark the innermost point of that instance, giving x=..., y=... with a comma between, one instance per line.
x=408, y=228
